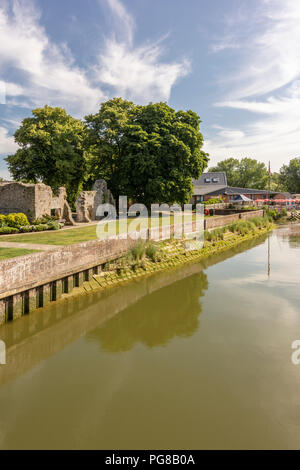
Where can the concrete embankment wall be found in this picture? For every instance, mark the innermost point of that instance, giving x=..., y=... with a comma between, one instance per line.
x=32, y=281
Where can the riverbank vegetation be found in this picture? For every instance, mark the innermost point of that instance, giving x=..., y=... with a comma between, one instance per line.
x=149, y=257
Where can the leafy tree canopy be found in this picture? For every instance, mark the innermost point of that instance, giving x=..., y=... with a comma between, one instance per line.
x=51, y=150
x=149, y=153
x=290, y=176
x=277, y=184
x=244, y=173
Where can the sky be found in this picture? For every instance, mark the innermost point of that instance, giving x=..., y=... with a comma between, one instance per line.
x=235, y=62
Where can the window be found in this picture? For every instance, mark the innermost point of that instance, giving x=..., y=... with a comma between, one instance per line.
x=207, y=180
x=215, y=180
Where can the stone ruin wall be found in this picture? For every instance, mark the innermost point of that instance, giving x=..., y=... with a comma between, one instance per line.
x=34, y=200
x=37, y=200
x=88, y=201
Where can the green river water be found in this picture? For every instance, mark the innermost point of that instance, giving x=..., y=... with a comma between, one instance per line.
x=194, y=358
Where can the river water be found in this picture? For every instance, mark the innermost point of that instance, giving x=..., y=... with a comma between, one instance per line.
x=197, y=357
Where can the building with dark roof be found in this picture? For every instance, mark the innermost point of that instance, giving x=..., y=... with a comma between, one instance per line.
x=214, y=185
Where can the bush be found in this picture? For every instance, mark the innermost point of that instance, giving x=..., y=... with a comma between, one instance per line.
x=233, y=227
x=213, y=200
x=214, y=235
x=274, y=214
x=282, y=213
x=258, y=222
x=151, y=251
x=16, y=220
x=41, y=227
x=207, y=235
x=3, y=222
x=26, y=229
x=53, y=225
x=45, y=219
x=8, y=230
x=138, y=251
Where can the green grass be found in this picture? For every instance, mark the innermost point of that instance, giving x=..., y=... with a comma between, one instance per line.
x=6, y=253
x=62, y=237
x=71, y=236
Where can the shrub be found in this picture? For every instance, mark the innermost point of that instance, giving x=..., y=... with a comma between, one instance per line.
x=8, y=230
x=207, y=235
x=151, y=251
x=138, y=251
x=45, y=219
x=261, y=222
x=16, y=220
x=3, y=222
x=41, y=227
x=233, y=227
x=214, y=235
x=53, y=225
x=213, y=200
x=26, y=228
x=283, y=212
x=274, y=214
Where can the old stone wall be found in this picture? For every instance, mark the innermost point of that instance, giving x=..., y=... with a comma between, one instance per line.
x=85, y=206
x=61, y=206
x=88, y=201
x=220, y=221
x=252, y=214
x=34, y=200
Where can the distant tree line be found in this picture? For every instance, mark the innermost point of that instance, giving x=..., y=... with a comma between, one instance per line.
x=249, y=173
x=149, y=153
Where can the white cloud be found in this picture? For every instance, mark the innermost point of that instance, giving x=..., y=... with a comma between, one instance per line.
x=123, y=19
x=136, y=73
x=49, y=74
x=7, y=143
x=48, y=71
x=265, y=81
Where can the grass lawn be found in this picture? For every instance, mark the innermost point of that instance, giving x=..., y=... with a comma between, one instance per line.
x=6, y=253
x=75, y=235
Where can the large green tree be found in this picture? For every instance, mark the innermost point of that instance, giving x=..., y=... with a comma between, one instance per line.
x=290, y=176
x=51, y=150
x=277, y=184
x=244, y=173
x=149, y=153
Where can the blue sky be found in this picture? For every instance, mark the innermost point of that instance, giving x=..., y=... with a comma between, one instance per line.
x=235, y=62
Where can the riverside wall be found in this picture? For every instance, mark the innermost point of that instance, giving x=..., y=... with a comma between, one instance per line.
x=32, y=281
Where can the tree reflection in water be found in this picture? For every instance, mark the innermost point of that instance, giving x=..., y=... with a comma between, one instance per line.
x=157, y=318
